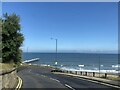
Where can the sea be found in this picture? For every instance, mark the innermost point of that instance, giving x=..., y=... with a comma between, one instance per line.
x=90, y=62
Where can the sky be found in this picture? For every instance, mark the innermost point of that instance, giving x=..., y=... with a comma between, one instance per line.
x=79, y=27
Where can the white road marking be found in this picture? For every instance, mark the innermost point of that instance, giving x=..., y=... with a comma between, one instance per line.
x=54, y=79
x=37, y=74
x=29, y=70
x=99, y=82
x=110, y=85
x=95, y=81
x=69, y=86
x=43, y=76
x=57, y=80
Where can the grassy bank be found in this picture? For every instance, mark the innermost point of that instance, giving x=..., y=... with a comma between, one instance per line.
x=5, y=66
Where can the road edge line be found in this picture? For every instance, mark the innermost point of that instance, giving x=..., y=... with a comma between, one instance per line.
x=19, y=83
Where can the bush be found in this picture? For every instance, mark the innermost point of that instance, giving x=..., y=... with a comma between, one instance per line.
x=12, y=38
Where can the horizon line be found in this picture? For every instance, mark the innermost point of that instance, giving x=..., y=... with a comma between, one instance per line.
x=75, y=52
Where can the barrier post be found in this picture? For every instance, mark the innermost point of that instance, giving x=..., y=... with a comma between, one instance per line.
x=81, y=73
x=105, y=75
x=93, y=74
x=67, y=71
x=76, y=72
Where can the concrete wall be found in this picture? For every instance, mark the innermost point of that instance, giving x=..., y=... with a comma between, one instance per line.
x=9, y=78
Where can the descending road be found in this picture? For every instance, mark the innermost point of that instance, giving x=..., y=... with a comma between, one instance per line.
x=41, y=77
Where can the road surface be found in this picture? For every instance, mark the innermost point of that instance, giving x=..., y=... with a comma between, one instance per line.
x=41, y=77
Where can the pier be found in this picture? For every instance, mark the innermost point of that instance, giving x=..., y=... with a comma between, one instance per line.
x=31, y=60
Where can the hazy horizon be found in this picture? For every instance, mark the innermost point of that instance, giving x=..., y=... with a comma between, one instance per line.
x=96, y=52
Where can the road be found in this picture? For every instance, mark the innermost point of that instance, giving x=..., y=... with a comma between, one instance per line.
x=41, y=77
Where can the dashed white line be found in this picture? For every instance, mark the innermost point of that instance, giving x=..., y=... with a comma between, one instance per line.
x=99, y=82
x=54, y=79
x=96, y=82
x=37, y=74
x=57, y=80
x=29, y=70
x=69, y=86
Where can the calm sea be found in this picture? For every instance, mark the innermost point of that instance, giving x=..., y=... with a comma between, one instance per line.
x=76, y=61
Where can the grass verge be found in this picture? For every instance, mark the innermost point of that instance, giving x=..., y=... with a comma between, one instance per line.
x=5, y=66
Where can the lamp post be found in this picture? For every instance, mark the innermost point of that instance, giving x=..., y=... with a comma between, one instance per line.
x=99, y=66
x=56, y=49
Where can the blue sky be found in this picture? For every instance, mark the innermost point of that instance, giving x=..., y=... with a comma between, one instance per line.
x=79, y=27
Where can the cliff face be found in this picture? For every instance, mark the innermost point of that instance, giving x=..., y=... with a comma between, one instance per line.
x=8, y=78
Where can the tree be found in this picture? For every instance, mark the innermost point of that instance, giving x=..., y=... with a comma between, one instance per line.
x=0, y=40
x=12, y=38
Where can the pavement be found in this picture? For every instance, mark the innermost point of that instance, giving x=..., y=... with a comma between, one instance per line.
x=41, y=77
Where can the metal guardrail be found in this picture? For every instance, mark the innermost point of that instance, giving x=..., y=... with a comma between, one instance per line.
x=93, y=74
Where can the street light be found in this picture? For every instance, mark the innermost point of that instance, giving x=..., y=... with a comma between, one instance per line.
x=99, y=65
x=56, y=49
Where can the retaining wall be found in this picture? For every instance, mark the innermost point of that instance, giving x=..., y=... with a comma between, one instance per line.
x=9, y=78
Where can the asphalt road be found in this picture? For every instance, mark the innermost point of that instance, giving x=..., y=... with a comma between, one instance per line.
x=41, y=77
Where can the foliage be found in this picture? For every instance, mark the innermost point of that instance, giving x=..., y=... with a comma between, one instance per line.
x=0, y=40
x=12, y=38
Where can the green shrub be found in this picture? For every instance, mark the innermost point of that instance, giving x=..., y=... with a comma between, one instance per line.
x=12, y=38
